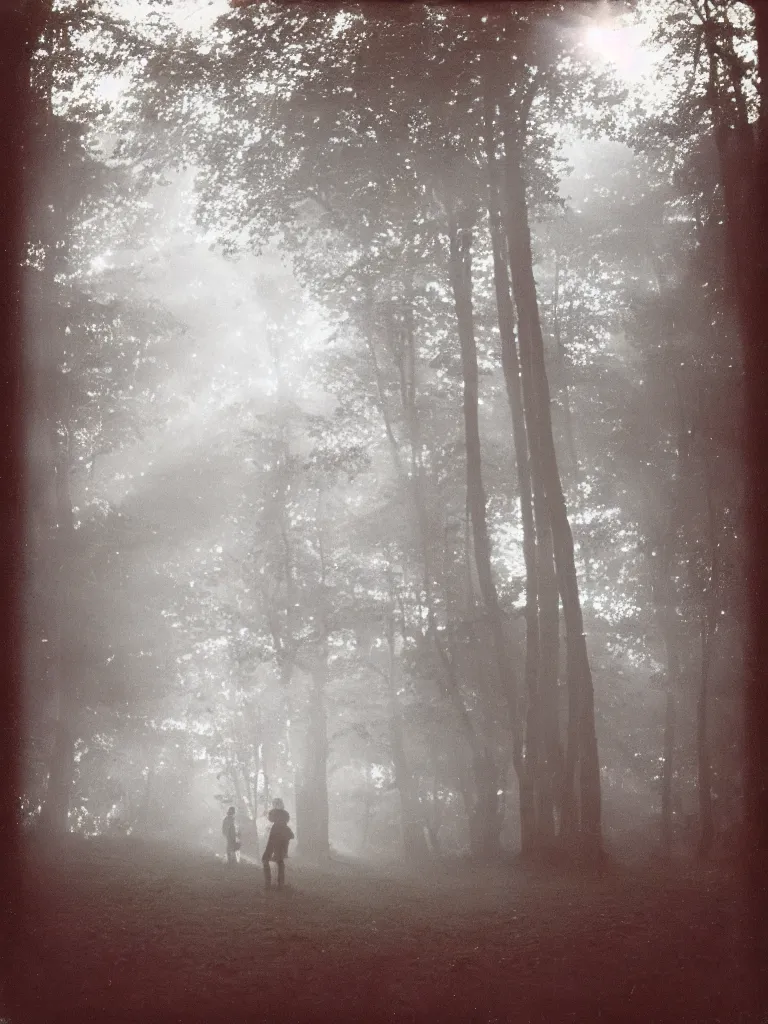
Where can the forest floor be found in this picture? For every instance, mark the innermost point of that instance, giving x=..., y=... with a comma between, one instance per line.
x=120, y=931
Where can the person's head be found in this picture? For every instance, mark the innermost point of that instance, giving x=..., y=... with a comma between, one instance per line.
x=231, y=812
x=277, y=804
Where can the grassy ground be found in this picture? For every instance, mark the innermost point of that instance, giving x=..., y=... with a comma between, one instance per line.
x=119, y=931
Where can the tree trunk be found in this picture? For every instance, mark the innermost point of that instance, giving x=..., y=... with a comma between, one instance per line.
x=562, y=372
x=55, y=813
x=312, y=790
x=411, y=818
x=52, y=404
x=668, y=772
x=752, y=291
x=527, y=766
x=436, y=810
x=54, y=817
x=484, y=815
x=485, y=821
x=569, y=797
x=709, y=622
x=234, y=777
x=577, y=660
x=542, y=598
x=550, y=755
x=49, y=395
x=413, y=483
x=661, y=570
x=17, y=35
x=460, y=269
x=703, y=759
x=266, y=769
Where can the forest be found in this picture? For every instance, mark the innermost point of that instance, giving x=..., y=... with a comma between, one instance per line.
x=386, y=370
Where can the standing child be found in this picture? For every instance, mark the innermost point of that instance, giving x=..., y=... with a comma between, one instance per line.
x=280, y=836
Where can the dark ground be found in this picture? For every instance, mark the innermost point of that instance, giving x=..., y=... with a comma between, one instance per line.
x=120, y=931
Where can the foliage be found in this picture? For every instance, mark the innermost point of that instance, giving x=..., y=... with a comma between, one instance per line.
x=249, y=333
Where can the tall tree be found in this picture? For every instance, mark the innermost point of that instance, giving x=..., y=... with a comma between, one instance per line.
x=20, y=26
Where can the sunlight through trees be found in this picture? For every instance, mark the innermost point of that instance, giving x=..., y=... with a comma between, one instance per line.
x=384, y=444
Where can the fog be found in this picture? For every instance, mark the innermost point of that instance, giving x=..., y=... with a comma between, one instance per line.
x=384, y=456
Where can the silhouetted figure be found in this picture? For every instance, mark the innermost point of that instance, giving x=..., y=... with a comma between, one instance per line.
x=277, y=843
x=229, y=831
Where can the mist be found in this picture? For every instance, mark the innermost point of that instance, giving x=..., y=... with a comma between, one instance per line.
x=386, y=467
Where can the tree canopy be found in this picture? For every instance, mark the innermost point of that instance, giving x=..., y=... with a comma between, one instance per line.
x=385, y=448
